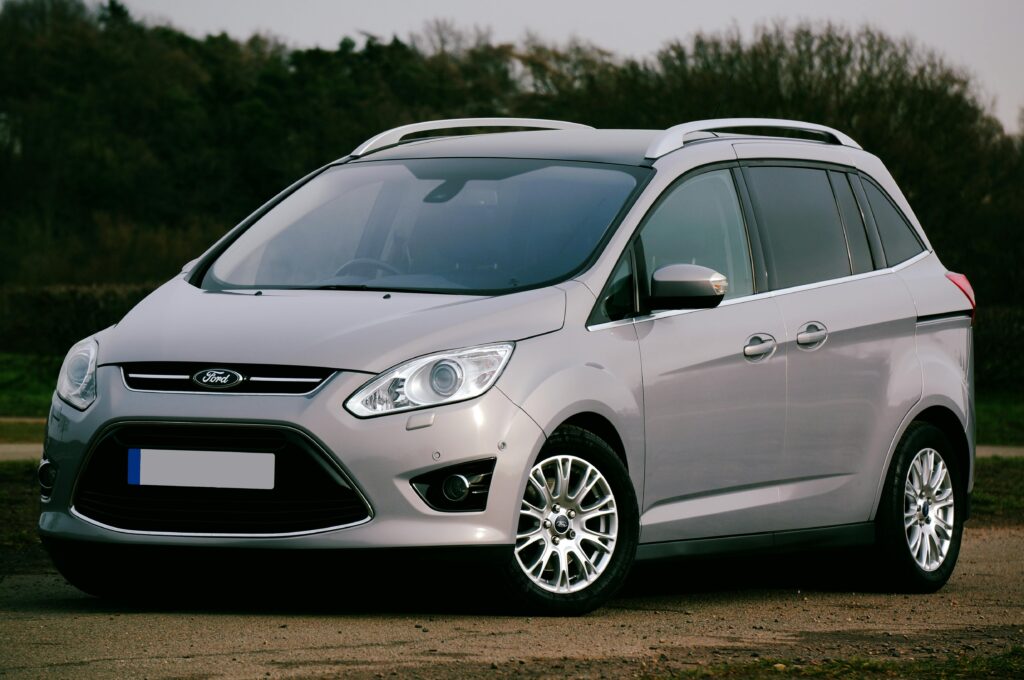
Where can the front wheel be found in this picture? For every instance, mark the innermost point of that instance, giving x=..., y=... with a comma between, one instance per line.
x=577, y=527
x=921, y=517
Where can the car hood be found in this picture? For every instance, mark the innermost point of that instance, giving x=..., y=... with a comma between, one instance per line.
x=350, y=330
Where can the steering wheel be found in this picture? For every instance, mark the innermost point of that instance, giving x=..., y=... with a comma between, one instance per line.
x=368, y=262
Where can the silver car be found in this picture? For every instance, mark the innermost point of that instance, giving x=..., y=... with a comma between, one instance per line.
x=565, y=348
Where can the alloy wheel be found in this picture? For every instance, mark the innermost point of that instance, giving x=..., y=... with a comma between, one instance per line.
x=568, y=523
x=928, y=509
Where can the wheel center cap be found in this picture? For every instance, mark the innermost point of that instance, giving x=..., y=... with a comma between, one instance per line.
x=925, y=509
x=561, y=524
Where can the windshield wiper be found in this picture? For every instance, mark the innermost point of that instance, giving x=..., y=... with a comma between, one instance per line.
x=338, y=286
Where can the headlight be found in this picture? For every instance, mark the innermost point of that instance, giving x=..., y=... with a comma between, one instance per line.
x=77, y=381
x=435, y=379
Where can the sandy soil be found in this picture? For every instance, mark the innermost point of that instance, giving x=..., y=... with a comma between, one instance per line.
x=670, y=617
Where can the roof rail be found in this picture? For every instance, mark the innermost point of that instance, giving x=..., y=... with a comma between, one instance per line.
x=674, y=137
x=395, y=135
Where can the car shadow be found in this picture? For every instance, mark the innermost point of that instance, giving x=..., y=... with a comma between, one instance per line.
x=343, y=585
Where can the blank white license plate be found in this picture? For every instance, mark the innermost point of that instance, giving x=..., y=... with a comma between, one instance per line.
x=209, y=469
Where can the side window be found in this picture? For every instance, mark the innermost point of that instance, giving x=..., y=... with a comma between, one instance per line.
x=856, y=237
x=899, y=241
x=699, y=222
x=617, y=300
x=799, y=221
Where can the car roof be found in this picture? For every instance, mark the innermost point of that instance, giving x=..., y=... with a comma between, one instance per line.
x=624, y=147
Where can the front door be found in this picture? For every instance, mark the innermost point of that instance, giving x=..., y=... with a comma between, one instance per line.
x=714, y=379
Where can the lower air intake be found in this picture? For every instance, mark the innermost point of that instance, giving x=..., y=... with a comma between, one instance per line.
x=309, y=493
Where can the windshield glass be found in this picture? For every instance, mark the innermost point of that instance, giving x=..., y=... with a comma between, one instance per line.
x=477, y=226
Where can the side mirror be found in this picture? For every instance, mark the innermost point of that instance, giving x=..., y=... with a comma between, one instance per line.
x=687, y=286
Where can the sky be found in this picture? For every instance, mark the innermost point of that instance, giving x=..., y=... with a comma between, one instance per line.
x=985, y=37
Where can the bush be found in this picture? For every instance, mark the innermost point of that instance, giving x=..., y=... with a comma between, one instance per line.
x=49, y=319
x=998, y=366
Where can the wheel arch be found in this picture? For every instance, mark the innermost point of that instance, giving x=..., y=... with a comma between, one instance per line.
x=945, y=415
x=951, y=426
x=600, y=427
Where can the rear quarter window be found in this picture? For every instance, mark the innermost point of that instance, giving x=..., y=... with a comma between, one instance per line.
x=899, y=240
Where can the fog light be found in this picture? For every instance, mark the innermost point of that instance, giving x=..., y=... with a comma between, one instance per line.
x=47, y=474
x=455, y=488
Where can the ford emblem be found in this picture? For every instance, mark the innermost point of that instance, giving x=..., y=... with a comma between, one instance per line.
x=217, y=378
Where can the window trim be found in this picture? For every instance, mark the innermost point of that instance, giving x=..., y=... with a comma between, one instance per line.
x=771, y=293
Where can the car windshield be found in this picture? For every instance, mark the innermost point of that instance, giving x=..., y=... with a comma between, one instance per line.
x=471, y=226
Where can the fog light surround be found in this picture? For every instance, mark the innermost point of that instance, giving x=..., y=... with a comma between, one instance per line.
x=47, y=476
x=457, y=488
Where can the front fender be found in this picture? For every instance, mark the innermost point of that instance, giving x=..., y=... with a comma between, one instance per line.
x=574, y=371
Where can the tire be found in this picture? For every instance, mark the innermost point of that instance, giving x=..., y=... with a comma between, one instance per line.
x=581, y=559
x=912, y=527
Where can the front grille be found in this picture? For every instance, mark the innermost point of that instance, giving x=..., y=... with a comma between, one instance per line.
x=310, y=492
x=177, y=376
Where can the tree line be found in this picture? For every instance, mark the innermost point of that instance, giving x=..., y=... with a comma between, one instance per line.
x=127, y=148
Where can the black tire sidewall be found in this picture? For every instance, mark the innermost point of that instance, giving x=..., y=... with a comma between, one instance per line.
x=524, y=594
x=893, y=542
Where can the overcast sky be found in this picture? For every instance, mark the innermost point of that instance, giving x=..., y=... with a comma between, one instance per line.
x=984, y=36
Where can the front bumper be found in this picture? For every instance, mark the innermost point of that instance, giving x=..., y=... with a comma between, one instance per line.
x=379, y=456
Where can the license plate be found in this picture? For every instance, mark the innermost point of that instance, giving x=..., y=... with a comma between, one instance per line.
x=209, y=469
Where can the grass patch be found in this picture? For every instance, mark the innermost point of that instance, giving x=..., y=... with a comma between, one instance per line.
x=26, y=384
x=17, y=432
x=1000, y=419
x=20, y=549
x=998, y=498
x=19, y=504
x=1007, y=665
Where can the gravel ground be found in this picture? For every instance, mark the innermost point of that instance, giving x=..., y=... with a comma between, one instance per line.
x=671, y=617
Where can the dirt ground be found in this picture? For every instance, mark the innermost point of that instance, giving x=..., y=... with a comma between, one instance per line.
x=671, y=617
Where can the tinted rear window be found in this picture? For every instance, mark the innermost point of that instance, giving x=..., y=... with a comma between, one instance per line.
x=800, y=225
x=472, y=226
x=898, y=238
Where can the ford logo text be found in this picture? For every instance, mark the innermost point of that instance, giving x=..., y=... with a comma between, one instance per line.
x=217, y=378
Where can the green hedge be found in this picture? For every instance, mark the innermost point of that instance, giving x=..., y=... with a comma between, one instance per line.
x=49, y=319
x=998, y=365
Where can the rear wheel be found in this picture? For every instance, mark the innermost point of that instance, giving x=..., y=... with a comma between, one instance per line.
x=920, y=519
x=577, y=527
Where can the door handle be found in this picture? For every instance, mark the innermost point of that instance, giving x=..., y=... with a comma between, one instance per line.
x=759, y=346
x=811, y=335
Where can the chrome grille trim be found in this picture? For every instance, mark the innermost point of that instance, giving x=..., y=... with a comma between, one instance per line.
x=264, y=380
